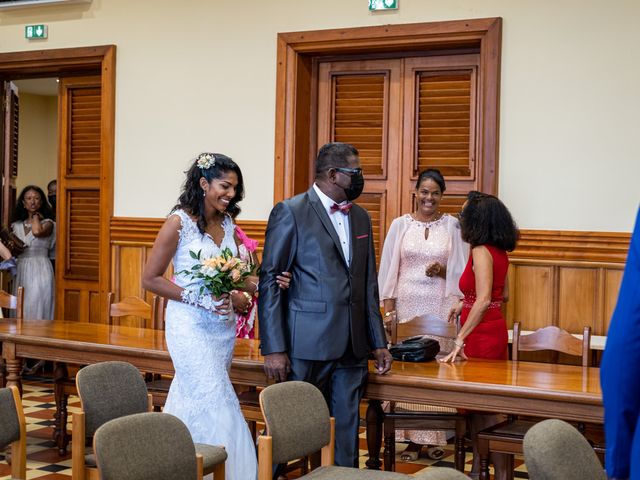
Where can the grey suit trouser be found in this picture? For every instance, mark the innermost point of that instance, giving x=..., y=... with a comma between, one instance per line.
x=342, y=382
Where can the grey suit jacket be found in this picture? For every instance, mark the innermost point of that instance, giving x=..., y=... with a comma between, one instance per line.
x=329, y=301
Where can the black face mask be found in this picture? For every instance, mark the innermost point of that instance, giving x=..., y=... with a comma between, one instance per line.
x=52, y=200
x=355, y=189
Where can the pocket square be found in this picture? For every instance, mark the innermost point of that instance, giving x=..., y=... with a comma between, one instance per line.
x=358, y=237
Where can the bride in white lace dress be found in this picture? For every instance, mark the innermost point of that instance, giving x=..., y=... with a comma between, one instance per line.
x=200, y=330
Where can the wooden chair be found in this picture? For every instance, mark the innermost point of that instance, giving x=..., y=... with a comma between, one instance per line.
x=507, y=437
x=298, y=424
x=110, y=390
x=14, y=303
x=134, y=307
x=13, y=431
x=438, y=418
x=146, y=445
x=555, y=450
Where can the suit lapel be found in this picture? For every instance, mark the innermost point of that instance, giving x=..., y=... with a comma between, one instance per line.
x=318, y=207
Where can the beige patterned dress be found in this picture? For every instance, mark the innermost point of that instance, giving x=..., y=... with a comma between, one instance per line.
x=416, y=294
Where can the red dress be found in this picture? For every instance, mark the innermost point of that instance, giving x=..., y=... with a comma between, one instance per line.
x=489, y=339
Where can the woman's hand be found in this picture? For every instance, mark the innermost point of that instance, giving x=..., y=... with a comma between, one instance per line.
x=433, y=269
x=223, y=306
x=458, y=351
x=454, y=312
x=284, y=280
x=241, y=302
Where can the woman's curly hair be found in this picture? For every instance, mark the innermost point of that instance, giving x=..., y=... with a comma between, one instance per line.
x=485, y=220
x=191, y=199
x=20, y=213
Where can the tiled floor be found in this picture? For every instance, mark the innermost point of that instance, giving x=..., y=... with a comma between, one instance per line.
x=43, y=461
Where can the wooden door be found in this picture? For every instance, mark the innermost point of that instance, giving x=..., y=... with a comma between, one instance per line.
x=9, y=164
x=404, y=115
x=358, y=104
x=78, y=252
x=439, y=128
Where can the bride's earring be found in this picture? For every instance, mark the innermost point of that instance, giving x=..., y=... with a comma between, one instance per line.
x=204, y=193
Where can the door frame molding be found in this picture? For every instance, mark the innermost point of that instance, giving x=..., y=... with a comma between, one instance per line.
x=81, y=61
x=295, y=85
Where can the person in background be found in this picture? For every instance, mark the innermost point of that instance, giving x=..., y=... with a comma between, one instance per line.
x=487, y=225
x=422, y=260
x=33, y=223
x=322, y=329
x=244, y=303
x=620, y=371
x=52, y=195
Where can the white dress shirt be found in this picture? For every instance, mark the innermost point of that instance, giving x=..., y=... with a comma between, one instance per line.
x=340, y=222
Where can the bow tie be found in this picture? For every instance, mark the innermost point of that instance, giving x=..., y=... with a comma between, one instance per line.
x=343, y=208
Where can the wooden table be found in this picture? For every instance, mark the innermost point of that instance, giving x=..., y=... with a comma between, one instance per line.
x=536, y=389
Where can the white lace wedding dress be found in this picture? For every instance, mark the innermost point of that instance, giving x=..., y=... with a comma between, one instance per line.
x=201, y=347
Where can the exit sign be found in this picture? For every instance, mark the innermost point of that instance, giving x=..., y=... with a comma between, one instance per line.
x=383, y=5
x=35, y=31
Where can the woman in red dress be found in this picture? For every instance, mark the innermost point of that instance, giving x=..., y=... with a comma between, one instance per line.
x=488, y=227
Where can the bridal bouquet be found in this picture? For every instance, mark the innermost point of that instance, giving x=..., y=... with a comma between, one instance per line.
x=219, y=274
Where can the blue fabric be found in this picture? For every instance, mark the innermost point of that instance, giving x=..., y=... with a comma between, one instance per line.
x=620, y=373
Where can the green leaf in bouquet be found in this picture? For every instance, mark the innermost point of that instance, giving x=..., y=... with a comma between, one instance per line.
x=194, y=255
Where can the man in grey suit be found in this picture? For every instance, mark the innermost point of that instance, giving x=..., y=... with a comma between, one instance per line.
x=322, y=329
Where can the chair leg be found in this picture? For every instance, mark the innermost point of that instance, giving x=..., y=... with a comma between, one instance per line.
x=483, y=453
x=389, y=444
x=60, y=435
x=253, y=429
x=218, y=471
x=461, y=426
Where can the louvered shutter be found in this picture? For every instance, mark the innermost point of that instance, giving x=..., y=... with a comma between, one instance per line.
x=359, y=117
x=440, y=125
x=358, y=105
x=444, y=122
x=78, y=265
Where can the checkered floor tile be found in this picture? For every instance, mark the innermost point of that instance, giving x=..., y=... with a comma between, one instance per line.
x=44, y=462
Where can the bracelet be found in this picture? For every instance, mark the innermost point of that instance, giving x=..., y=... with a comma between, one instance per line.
x=192, y=297
x=247, y=295
x=255, y=284
x=388, y=314
x=459, y=343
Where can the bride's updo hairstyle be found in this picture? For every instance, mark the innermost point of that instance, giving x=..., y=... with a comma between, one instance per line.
x=209, y=166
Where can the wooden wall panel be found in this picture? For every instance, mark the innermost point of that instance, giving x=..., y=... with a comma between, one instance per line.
x=569, y=279
x=530, y=296
x=577, y=298
x=612, y=281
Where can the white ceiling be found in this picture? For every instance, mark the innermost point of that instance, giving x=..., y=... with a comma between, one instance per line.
x=38, y=86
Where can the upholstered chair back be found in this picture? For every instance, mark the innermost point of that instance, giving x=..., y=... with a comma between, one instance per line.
x=555, y=450
x=297, y=418
x=9, y=422
x=145, y=445
x=110, y=390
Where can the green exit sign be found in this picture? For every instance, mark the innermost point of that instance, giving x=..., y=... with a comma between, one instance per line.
x=35, y=31
x=375, y=5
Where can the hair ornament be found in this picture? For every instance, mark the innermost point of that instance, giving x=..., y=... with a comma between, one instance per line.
x=206, y=160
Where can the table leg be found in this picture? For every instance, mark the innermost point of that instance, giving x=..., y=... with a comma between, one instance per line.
x=374, y=434
x=60, y=435
x=13, y=366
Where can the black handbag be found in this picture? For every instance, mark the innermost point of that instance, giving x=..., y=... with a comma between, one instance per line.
x=415, y=349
